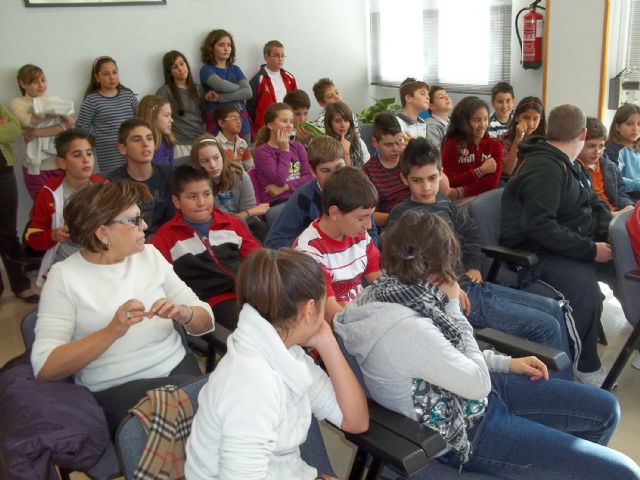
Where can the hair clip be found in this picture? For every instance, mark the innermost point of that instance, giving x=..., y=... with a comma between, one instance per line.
x=410, y=257
x=526, y=106
x=101, y=57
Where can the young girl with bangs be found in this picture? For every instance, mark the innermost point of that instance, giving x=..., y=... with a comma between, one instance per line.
x=232, y=186
x=470, y=158
x=281, y=164
x=156, y=110
x=338, y=123
x=186, y=99
x=39, y=130
x=498, y=415
x=107, y=103
x=222, y=80
x=623, y=146
x=528, y=119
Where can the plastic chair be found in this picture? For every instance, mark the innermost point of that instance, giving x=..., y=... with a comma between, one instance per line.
x=366, y=133
x=628, y=279
x=211, y=345
x=131, y=436
x=486, y=211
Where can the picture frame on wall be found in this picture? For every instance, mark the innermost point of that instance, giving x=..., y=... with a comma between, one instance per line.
x=92, y=3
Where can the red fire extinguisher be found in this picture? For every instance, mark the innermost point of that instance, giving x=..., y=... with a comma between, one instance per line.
x=533, y=31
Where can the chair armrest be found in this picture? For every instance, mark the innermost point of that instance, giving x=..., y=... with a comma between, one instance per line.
x=427, y=439
x=519, y=347
x=219, y=338
x=633, y=275
x=401, y=455
x=510, y=255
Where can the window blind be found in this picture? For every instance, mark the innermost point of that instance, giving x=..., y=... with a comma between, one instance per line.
x=482, y=37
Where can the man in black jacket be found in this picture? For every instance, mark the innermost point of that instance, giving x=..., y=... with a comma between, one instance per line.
x=548, y=208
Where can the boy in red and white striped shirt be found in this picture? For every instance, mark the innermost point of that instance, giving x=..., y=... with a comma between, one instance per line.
x=339, y=241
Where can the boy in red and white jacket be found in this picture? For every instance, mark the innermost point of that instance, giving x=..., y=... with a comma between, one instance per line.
x=204, y=244
x=270, y=84
x=339, y=241
x=48, y=230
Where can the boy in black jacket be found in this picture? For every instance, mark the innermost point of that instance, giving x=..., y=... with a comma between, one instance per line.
x=548, y=209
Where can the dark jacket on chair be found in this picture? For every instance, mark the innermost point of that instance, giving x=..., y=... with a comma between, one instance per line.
x=45, y=424
x=548, y=208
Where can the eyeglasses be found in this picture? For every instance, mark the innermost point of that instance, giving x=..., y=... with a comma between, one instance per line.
x=135, y=221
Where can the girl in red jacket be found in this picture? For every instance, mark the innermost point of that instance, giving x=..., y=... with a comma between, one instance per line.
x=470, y=158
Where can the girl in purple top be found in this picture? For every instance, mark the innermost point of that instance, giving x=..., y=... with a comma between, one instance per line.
x=156, y=110
x=223, y=81
x=281, y=165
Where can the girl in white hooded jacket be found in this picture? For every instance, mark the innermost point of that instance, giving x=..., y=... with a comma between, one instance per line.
x=255, y=410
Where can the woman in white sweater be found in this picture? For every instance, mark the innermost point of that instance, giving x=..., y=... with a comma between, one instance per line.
x=255, y=411
x=105, y=314
x=499, y=415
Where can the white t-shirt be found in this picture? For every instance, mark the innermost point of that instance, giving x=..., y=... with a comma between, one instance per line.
x=417, y=128
x=278, y=85
x=80, y=297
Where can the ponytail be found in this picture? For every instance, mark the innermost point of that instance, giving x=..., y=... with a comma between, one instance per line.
x=263, y=135
x=277, y=282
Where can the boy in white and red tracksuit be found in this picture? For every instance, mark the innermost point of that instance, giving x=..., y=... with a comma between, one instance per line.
x=47, y=230
x=270, y=84
x=205, y=245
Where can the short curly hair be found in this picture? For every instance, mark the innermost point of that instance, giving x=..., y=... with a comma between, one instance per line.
x=97, y=205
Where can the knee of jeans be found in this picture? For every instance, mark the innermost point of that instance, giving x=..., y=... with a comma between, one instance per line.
x=609, y=411
x=614, y=406
x=548, y=327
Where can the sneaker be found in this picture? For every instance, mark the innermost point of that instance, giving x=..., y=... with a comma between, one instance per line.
x=636, y=362
x=591, y=378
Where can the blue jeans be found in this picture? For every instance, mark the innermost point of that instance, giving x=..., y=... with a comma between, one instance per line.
x=547, y=430
x=523, y=314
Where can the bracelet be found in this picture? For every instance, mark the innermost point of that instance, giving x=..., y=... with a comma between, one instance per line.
x=190, y=316
x=248, y=214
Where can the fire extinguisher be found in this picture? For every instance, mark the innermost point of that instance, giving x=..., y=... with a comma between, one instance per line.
x=533, y=31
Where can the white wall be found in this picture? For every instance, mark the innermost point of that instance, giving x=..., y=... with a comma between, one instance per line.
x=574, y=54
x=321, y=39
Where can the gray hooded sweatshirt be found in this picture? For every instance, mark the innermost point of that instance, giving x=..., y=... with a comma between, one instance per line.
x=393, y=345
